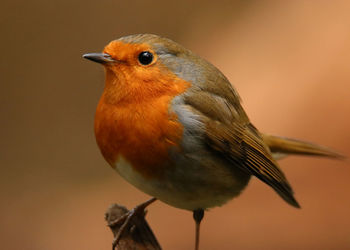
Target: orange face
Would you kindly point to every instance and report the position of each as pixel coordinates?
(133, 120)
(130, 81)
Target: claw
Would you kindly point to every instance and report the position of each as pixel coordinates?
(124, 221)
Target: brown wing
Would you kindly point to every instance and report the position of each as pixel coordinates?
(230, 134)
(243, 146)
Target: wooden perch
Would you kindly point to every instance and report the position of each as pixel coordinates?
(138, 235)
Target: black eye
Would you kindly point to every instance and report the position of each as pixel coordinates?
(145, 57)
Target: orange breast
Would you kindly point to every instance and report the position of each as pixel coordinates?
(140, 128)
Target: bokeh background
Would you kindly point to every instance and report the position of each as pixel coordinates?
(289, 61)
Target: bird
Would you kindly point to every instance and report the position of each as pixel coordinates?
(171, 124)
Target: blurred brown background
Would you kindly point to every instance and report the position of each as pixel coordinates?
(289, 61)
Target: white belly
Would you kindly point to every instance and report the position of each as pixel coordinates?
(182, 188)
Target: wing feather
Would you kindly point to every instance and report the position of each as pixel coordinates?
(245, 149)
(229, 133)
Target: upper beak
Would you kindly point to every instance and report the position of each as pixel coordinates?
(99, 57)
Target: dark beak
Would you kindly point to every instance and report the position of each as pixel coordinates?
(99, 57)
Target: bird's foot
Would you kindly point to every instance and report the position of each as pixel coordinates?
(124, 221)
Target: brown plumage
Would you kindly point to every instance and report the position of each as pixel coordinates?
(173, 126)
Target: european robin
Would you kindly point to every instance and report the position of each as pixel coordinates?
(172, 125)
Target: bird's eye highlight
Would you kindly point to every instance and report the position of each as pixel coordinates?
(145, 57)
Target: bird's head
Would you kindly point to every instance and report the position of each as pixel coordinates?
(145, 66)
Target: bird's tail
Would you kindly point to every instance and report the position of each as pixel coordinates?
(281, 147)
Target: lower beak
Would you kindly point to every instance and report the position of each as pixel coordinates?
(99, 57)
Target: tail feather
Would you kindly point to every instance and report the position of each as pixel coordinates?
(281, 147)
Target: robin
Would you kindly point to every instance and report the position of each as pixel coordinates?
(172, 125)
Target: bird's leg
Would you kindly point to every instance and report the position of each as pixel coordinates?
(198, 216)
(126, 218)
